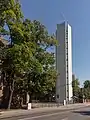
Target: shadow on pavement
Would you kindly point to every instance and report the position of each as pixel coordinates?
(82, 112)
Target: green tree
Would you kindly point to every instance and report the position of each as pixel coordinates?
(27, 62)
(10, 13)
(87, 84)
(76, 88)
(9, 17)
(36, 80)
(87, 89)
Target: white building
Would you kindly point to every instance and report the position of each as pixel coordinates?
(64, 63)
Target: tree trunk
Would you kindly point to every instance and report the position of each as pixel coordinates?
(10, 99)
(21, 102)
(11, 94)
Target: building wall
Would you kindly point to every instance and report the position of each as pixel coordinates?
(70, 61)
(64, 62)
(61, 64)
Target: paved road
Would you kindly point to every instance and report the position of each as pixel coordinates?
(79, 114)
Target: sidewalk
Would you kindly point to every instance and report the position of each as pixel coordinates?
(12, 113)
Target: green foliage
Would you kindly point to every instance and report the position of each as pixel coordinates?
(87, 89)
(87, 84)
(10, 13)
(27, 64)
(76, 88)
(22, 56)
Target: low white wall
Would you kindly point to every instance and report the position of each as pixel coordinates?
(40, 105)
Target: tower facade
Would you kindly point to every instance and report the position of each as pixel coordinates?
(64, 63)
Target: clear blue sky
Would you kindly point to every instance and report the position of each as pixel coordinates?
(77, 12)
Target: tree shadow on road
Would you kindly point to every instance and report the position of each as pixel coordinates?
(82, 112)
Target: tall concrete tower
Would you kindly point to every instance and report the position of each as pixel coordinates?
(64, 63)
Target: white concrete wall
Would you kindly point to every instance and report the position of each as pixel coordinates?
(61, 64)
(64, 85)
(70, 62)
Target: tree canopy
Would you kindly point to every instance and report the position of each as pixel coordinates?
(87, 89)
(27, 65)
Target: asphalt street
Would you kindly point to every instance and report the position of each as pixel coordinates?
(79, 114)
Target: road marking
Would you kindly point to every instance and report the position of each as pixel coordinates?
(47, 115)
